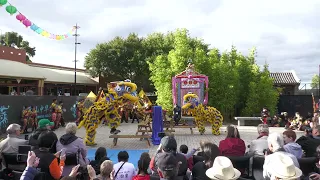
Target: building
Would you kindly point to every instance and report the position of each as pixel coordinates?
(287, 82)
(19, 77)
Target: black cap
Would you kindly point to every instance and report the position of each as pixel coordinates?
(169, 144)
(167, 162)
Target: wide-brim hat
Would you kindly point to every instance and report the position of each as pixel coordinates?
(222, 169)
(284, 168)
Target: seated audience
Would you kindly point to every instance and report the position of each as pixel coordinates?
(123, 169)
(72, 145)
(146, 155)
(12, 142)
(44, 125)
(222, 168)
(290, 146)
(258, 145)
(210, 152)
(275, 143)
(32, 162)
(49, 163)
(100, 157)
(202, 143)
(184, 150)
(106, 170)
(232, 145)
(169, 144)
(168, 166)
(281, 167)
(309, 144)
(143, 165)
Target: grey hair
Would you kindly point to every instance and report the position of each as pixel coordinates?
(12, 128)
(263, 128)
(276, 140)
(71, 128)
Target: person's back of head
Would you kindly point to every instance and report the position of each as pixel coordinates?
(275, 142)
(169, 144)
(184, 149)
(100, 153)
(210, 152)
(45, 139)
(263, 128)
(143, 165)
(145, 155)
(106, 169)
(232, 132)
(168, 166)
(123, 156)
(13, 129)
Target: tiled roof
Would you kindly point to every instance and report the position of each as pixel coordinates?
(285, 78)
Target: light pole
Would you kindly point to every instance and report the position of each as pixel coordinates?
(75, 57)
(1, 36)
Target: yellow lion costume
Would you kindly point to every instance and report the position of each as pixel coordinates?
(202, 114)
(105, 109)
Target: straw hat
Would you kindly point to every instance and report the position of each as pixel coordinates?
(284, 168)
(222, 169)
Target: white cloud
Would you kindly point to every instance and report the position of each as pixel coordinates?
(285, 32)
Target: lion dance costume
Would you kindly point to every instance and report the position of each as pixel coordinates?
(202, 114)
(105, 109)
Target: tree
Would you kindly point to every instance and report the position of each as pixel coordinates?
(13, 39)
(120, 59)
(261, 94)
(165, 66)
(315, 82)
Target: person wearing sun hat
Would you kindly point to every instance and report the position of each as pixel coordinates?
(44, 125)
(222, 169)
(283, 168)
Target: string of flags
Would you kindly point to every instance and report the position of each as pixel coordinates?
(12, 10)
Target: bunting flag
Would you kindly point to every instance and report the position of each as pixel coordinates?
(29, 24)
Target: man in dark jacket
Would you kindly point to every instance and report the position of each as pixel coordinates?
(169, 145)
(310, 144)
(44, 125)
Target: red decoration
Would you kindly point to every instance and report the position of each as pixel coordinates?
(26, 22)
(194, 82)
(186, 82)
(20, 17)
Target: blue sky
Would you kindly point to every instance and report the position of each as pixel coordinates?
(285, 33)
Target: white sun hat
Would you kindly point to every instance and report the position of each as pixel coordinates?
(222, 169)
(284, 168)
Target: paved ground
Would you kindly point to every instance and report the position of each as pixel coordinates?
(183, 136)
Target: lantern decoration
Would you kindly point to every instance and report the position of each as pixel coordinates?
(34, 27)
(11, 9)
(26, 22)
(3, 2)
(20, 17)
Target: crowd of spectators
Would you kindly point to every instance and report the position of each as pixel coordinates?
(51, 157)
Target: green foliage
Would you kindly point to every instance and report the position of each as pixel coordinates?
(10, 38)
(315, 82)
(237, 85)
(120, 59)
